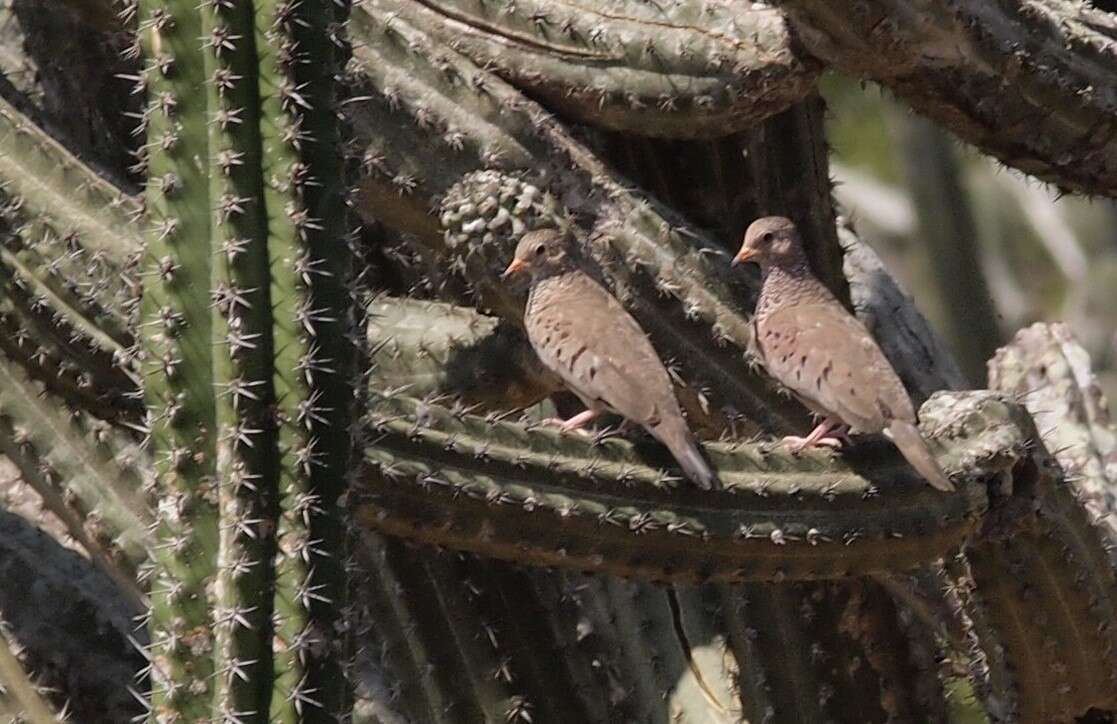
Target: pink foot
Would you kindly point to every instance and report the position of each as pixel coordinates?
(575, 423)
(820, 436)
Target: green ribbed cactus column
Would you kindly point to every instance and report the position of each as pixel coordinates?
(178, 360)
(246, 350)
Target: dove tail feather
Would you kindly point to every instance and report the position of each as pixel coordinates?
(914, 448)
(687, 453)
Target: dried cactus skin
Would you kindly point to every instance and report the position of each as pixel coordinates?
(679, 70)
(950, 61)
(779, 520)
(1054, 567)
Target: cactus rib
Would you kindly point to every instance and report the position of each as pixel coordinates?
(312, 373)
(178, 357)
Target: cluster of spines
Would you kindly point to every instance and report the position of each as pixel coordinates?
(313, 341)
(177, 357)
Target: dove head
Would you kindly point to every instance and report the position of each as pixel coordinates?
(772, 241)
(541, 253)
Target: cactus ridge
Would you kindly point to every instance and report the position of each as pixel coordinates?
(245, 467)
(177, 350)
(312, 370)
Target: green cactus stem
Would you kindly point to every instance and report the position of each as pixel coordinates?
(684, 70)
(247, 454)
(85, 475)
(178, 357)
(433, 349)
(312, 333)
(492, 487)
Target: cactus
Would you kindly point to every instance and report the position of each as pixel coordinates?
(1058, 57)
(784, 598)
(688, 69)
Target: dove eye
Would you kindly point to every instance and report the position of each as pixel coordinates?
(767, 237)
(540, 249)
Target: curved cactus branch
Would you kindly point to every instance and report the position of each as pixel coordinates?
(1029, 82)
(684, 70)
(535, 496)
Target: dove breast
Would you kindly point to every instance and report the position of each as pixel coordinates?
(830, 361)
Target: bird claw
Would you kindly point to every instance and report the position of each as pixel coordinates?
(574, 424)
(827, 434)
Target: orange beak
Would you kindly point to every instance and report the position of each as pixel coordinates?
(517, 266)
(743, 257)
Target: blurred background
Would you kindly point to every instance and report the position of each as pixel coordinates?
(983, 249)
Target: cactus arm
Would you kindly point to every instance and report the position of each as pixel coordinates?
(950, 62)
(178, 358)
(434, 349)
(805, 518)
(79, 475)
(681, 71)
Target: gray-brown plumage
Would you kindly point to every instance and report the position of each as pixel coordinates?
(814, 347)
(582, 332)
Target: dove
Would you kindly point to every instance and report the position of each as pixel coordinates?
(582, 333)
(814, 347)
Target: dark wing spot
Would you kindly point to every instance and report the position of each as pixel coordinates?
(574, 359)
(593, 372)
(853, 392)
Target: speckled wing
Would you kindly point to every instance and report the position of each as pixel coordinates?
(826, 357)
(583, 333)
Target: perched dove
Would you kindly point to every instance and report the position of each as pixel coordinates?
(813, 346)
(581, 332)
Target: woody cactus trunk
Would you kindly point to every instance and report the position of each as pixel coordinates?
(267, 380)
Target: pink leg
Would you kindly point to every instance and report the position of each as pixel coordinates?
(820, 436)
(575, 423)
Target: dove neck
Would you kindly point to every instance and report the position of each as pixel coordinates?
(788, 285)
